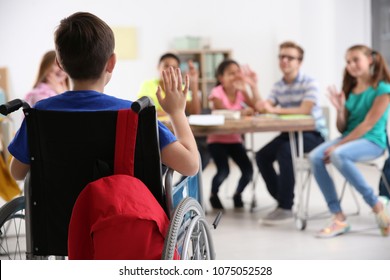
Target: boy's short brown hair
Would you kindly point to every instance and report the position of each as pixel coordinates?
(83, 44)
(291, 44)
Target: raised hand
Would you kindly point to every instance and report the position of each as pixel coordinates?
(193, 72)
(175, 96)
(336, 98)
(250, 77)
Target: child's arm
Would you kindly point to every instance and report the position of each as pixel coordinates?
(216, 103)
(19, 169)
(338, 101)
(305, 108)
(250, 78)
(194, 106)
(181, 155)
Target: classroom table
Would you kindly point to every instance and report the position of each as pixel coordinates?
(257, 124)
(293, 124)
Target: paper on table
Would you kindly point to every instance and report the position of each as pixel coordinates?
(206, 120)
(229, 114)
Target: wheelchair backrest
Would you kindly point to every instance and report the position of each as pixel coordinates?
(71, 149)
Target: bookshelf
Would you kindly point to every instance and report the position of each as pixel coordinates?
(207, 61)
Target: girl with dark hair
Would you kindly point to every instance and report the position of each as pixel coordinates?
(230, 93)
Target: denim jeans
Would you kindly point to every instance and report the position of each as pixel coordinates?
(220, 154)
(344, 158)
(281, 186)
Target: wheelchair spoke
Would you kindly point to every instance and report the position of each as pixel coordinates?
(189, 233)
(12, 234)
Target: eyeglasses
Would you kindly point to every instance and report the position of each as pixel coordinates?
(288, 57)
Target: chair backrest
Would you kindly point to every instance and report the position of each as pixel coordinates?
(68, 151)
(326, 113)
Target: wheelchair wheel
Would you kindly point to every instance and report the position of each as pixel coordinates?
(13, 230)
(189, 234)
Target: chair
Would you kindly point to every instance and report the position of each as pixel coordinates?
(303, 170)
(301, 214)
(71, 149)
(304, 177)
(374, 164)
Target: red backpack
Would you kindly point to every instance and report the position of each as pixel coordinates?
(117, 217)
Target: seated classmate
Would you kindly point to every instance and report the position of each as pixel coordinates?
(85, 51)
(51, 80)
(230, 93)
(362, 112)
(295, 93)
(193, 105)
(148, 88)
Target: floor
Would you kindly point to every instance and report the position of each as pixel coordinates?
(239, 235)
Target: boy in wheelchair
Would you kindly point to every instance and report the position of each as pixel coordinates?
(85, 51)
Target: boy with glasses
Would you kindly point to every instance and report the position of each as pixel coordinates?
(295, 93)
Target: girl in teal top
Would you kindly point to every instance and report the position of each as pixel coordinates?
(358, 107)
(362, 111)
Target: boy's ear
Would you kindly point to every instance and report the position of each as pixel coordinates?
(111, 63)
(58, 64)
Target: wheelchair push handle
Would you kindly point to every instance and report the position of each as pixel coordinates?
(13, 106)
(141, 104)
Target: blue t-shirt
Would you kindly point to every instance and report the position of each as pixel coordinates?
(358, 106)
(78, 101)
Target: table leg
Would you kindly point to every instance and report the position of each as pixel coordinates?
(293, 148)
(297, 154)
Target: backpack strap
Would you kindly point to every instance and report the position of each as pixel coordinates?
(125, 142)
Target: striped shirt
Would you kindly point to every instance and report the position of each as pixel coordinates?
(303, 88)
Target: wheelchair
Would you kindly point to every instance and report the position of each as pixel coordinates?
(71, 149)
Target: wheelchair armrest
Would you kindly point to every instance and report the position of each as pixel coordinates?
(187, 186)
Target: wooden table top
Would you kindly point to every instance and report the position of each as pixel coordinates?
(254, 124)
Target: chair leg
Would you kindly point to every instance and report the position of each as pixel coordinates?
(254, 200)
(386, 183)
(302, 206)
(352, 190)
(384, 179)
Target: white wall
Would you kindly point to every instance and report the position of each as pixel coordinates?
(251, 28)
